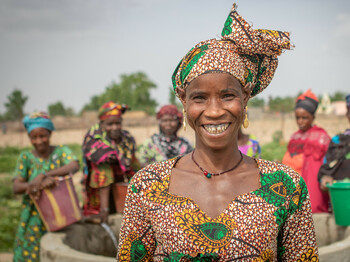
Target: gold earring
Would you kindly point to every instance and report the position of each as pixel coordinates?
(246, 121)
(184, 122)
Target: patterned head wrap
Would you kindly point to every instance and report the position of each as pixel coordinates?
(36, 120)
(247, 54)
(111, 109)
(347, 99)
(307, 101)
(170, 110)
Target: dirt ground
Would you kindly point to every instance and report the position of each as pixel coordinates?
(262, 128)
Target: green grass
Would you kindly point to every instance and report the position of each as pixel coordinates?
(10, 207)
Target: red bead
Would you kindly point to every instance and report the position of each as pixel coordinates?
(205, 173)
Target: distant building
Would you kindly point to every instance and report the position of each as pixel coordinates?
(339, 108)
(325, 106)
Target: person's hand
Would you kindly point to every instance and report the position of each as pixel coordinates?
(324, 181)
(48, 182)
(34, 186)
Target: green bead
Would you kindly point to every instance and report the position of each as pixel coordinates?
(208, 175)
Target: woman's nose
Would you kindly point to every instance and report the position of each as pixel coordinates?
(214, 108)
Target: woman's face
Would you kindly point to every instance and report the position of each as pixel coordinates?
(113, 126)
(214, 105)
(304, 119)
(169, 124)
(40, 139)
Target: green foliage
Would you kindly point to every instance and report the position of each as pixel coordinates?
(273, 151)
(8, 159)
(133, 90)
(338, 96)
(283, 105)
(15, 105)
(256, 102)
(10, 207)
(173, 98)
(58, 109)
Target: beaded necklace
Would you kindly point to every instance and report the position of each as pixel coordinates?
(209, 175)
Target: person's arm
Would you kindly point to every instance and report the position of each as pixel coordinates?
(330, 165)
(136, 228)
(20, 180)
(297, 238)
(66, 164)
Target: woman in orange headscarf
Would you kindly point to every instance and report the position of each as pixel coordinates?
(109, 157)
(307, 148)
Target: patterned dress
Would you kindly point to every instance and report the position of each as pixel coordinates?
(105, 163)
(160, 147)
(31, 227)
(252, 148)
(272, 223)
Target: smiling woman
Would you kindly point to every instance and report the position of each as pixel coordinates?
(216, 204)
(35, 171)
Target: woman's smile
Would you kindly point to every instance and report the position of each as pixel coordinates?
(216, 129)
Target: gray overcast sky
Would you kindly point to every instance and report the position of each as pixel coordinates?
(70, 50)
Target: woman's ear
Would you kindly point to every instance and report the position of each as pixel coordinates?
(182, 96)
(247, 90)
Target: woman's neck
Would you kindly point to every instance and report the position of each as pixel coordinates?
(218, 159)
(44, 154)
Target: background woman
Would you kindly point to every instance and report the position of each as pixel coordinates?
(337, 160)
(166, 144)
(248, 144)
(35, 170)
(216, 204)
(307, 148)
(109, 157)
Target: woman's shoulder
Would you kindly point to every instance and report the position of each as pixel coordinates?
(283, 171)
(127, 135)
(26, 153)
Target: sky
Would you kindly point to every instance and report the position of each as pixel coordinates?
(70, 50)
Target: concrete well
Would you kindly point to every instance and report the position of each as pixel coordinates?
(91, 243)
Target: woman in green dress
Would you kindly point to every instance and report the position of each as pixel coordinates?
(36, 169)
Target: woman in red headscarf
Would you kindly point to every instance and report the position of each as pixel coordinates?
(109, 157)
(165, 144)
(307, 148)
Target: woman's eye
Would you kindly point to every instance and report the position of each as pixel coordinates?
(198, 98)
(228, 95)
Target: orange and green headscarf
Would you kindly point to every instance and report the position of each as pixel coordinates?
(111, 109)
(247, 54)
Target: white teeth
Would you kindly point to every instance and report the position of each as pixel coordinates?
(216, 129)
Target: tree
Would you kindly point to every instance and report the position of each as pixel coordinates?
(58, 109)
(338, 96)
(133, 90)
(173, 98)
(256, 102)
(15, 105)
(282, 105)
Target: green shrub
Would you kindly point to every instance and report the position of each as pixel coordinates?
(10, 208)
(273, 151)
